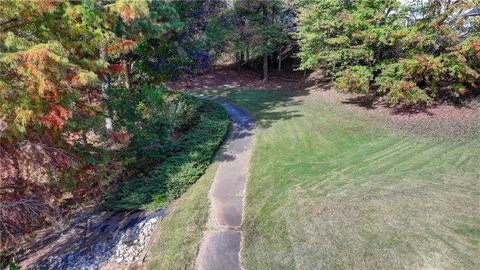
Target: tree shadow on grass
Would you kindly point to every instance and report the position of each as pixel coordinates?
(368, 102)
(267, 106)
(411, 110)
(267, 102)
(380, 103)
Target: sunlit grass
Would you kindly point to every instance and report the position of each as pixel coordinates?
(332, 189)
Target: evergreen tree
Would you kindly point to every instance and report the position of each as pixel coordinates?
(378, 46)
(259, 29)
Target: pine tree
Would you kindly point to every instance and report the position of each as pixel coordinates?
(412, 54)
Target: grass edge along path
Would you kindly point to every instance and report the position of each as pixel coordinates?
(220, 247)
(179, 239)
(181, 230)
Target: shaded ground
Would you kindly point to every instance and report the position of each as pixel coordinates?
(452, 120)
(439, 120)
(228, 77)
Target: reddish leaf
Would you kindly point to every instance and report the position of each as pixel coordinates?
(56, 116)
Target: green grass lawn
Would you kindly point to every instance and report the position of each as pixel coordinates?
(332, 189)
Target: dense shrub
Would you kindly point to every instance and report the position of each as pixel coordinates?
(185, 164)
(415, 53)
(181, 112)
(354, 79)
(153, 118)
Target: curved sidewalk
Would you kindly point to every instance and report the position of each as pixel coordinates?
(220, 247)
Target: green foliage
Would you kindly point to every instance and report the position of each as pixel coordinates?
(411, 60)
(13, 265)
(154, 119)
(181, 112)
(183, 43)
(257, 26)
(354, 79)
(138, 112)
(185, 163)
(346, 33)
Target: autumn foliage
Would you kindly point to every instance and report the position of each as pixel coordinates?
(56, 117)
(75, 119)
(53, 147)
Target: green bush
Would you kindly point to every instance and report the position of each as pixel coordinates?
(400, 82)
(181, 111)
(170, 178)
(353, 79)
(155, 119)
(435, 56)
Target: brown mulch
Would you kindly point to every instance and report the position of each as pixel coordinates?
(439, 120)
(224, 77)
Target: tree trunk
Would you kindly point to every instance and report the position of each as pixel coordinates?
(280, 60)
(105, 83)
(238, 60)
(125, 73)
(265, 68)
(265, 56)
(125, 69)
(237, 57)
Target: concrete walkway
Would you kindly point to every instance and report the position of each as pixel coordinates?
(220, 247)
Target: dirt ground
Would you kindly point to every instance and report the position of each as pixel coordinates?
(230, 76)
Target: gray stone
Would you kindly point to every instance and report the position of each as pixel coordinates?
(219, 251)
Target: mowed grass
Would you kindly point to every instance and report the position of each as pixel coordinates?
(180, 233)
(333, 189)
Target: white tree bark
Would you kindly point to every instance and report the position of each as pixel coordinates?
(105, 84)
